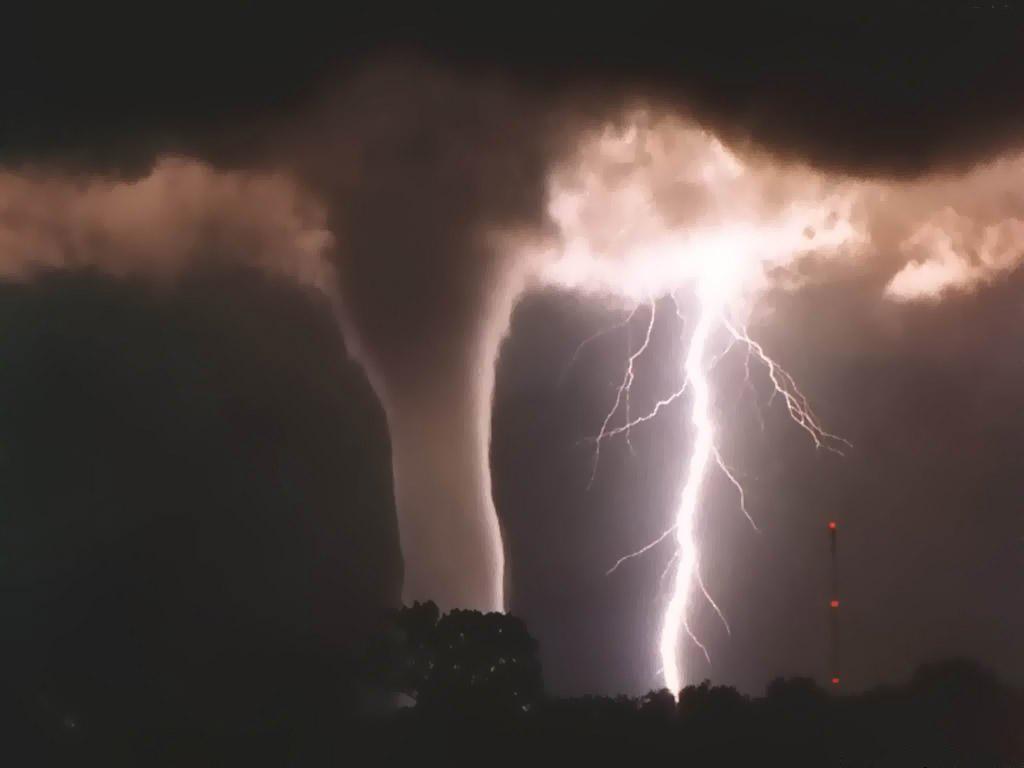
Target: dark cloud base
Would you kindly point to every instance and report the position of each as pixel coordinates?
(896, 91)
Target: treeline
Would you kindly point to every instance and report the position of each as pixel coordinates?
(472, 687)
(466, 689)
(950, 714)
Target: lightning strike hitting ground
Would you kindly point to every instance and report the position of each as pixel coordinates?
(713, 294)
(701, 453)
(653, 202)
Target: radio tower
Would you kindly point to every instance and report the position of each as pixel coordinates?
(833, 662)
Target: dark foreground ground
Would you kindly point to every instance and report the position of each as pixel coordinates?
(466, 689)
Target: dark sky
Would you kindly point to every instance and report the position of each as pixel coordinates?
(904, 90)
(180, 448)
(198, 511)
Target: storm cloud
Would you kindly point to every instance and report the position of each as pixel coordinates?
(414, 189)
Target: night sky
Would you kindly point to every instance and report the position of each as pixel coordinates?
(196, 476)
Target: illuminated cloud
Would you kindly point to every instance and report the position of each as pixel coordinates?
(645, 205)
(644, 208)
(951, 252)
(181, 214)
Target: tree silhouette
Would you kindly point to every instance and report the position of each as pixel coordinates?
(465, 661)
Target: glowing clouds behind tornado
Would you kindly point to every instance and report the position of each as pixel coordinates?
(653, 204)
(958, 231)
(182, 214)
(650, 201)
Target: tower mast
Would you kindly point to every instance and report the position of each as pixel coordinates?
(833, 663)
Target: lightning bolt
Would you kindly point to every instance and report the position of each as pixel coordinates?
(616, 240)
(785, 386)
(591, 339)
(622, 394)
(687, 569)
(713, 293)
